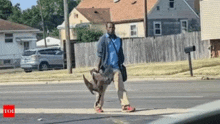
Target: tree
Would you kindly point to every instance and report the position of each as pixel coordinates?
(16, 14)
(31, 17)
(88, 35)
(53, 12)
(78, 1)
(5, 9)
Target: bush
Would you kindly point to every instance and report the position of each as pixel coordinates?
(88, 35)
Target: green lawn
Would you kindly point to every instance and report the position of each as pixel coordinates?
(203, 67)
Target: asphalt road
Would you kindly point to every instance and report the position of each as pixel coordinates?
(73, 103)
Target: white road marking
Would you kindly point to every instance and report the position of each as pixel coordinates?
(82, 91)
(52, 91)
(91, 111)
(149, 97)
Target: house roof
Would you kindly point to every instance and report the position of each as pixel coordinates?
(194, 4)
(7, 25)
(96, 15)
(122, 10)
(51, 41)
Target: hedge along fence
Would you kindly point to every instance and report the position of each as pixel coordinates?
(143, 50)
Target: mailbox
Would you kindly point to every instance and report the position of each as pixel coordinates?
(189, 49)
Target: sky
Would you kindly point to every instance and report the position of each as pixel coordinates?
(24, 4)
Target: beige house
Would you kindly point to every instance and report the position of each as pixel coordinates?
(165, 17)
(95, 14)
(210, 24)
(79, 17)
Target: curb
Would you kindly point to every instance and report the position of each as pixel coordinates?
(132, 80)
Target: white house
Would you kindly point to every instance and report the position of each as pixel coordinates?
(50, 41)
(14, 39)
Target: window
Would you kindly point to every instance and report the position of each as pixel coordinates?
(28, 53)
(158, 8)
(75, 15)
(7, 61)
(171, 3)
(49, 51)
(8, 38)
(184, 25)
(133, 29)
(42, 52)
(157, 28)
(26, 45)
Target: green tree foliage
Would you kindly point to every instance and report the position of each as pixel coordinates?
(5, 9)
(78, 1)
(88, 35)
(31, 17)
(16, 14)
(52, 11)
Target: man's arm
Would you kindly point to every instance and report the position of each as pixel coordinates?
(121, 53)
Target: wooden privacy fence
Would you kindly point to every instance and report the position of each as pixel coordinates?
(143, 50)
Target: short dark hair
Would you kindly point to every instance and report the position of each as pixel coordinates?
(109, 23)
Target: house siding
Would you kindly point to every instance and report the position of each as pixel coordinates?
(210, 25)
(100, 27)
(180, 10)
(170, 18)
(123, 30)
(73, 21)
(14, 50)
(169, 26)
(172, 26)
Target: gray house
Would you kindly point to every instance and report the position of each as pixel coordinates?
(173, 17)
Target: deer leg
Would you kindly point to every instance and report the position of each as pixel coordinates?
(98, 99)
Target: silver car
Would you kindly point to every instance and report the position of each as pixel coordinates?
(42, 59)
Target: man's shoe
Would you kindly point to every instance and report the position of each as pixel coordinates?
(98, 110)
(127, 108)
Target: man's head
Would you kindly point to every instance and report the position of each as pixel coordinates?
(110, 27)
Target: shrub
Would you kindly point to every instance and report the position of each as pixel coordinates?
(88, 35)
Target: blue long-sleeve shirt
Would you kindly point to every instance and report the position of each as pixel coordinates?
(106, 51)
(113, 49)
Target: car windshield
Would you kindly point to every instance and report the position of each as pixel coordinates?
(28, 53)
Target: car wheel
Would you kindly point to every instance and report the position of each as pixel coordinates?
(27, 71)
(44, 66)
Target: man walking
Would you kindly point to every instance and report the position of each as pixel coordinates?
(110, 54)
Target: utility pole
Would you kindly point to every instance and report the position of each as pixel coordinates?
(43, 24)
(145, 19)
(68, 47)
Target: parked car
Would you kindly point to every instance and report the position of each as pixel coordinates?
(42, 59)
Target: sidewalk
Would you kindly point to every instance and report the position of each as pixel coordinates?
(10, 70)
(112, 111)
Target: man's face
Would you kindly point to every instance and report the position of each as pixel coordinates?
(110, 28)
